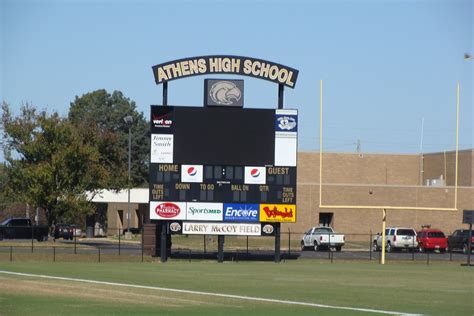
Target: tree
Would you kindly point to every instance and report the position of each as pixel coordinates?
(104, 113)
(50, 164)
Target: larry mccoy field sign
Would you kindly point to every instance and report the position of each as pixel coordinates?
(228, 165)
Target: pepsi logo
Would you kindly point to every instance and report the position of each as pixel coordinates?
(192, 171)
(255, 172)
(255, 175)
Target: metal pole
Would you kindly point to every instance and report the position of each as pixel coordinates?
(11, 253)
(469, 245)
(320, 143)
(163, 242)
(165, 93)
(421, 152)
(382, 254)
(289, 241)
(277, 243)
(457, 149)
(119, 243)
(220, 246)
(370, 246)
(329, 245)
(129, 167)
(247, 246)
(280, 95)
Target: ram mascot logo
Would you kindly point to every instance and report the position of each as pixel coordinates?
(225, 93)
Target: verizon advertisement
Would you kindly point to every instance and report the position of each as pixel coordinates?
(167, 210)
(197, 228)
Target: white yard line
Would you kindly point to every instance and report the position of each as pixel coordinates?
(237, 297)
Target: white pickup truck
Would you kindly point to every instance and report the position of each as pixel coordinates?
(322, 237)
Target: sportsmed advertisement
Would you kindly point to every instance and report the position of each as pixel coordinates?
(204, 211)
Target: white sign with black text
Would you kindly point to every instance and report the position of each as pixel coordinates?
(197, 228)
(161, 148)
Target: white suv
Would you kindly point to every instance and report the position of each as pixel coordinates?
(397, 238)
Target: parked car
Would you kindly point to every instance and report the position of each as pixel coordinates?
(322, 237)
(64, 231)
(22, 228)
(459, 240)
(431, 239)
(77, 232)
(397, 238)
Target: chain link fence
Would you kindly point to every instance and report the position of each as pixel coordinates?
(115, 248)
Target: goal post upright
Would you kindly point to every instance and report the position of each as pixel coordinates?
(320, 143)
(457, 148)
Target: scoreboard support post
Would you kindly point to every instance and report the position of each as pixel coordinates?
(277, 242)
(280, 95)
(220, 248)
(165, 94)
(163, 242)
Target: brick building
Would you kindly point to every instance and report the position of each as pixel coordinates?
(383, 179)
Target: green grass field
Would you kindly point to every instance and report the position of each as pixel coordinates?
(440, 289)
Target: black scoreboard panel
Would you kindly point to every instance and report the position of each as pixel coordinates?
(219, 136)
(223, 184)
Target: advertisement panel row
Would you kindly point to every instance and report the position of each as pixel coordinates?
(218, 212)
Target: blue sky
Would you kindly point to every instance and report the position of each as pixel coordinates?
(386, 65)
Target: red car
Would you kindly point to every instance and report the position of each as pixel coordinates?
(431, 239)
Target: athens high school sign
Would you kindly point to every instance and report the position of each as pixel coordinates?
(237, 65)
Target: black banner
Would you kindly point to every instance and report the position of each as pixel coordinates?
(226, 64)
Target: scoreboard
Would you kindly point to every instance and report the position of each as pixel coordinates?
(223, 165)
